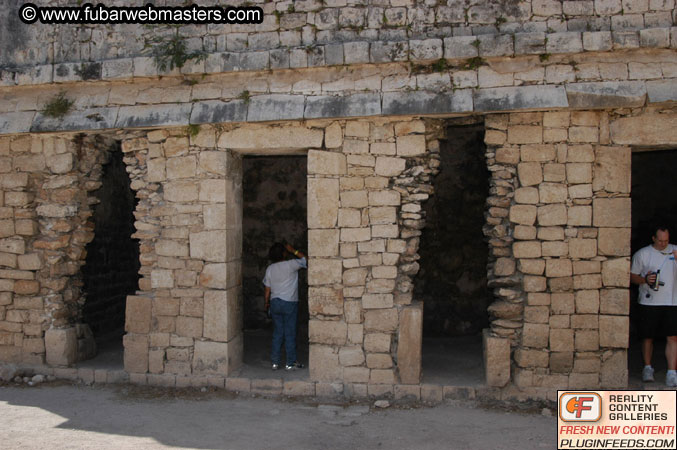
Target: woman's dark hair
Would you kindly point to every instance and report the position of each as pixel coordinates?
(276, 252)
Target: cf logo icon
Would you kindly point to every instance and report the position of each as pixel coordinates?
(580, 407)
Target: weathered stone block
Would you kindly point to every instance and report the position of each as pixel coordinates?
(327, 332)
(381, 320)
(190, 327)
(136, 353)
(535, 335)
(138, 314)
(558, 268)
(561, 340)
(323, 242)
(614, 370)
(580, 216)
(550, 215)
(523, 214)
(587, 302)
(646, 129)
(614, 301)
(616, 272)
(532, 283)
(379, 361)
(222, 314)
(614, 241)
(532, 266)
(410, 342)
(326, 163)
(411, 145)
(531, 358)
(520, 97)
(217, 358)
(612, 169)
(525, 232)
(325, 301)
(527, 249)
(608, 94)
(579, 173)
(323, 202)
(496, 352)
(587, 340)
(582, 248)
(552, 192)
(324, 363)
(389, 167)
(562, 303)
(208, 246)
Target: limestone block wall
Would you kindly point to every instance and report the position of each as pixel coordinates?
(186, 318)
(46, 184)
(558, 223)
(366, 180)
(311, 33)
(364, 217)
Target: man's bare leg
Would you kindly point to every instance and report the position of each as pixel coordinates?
(647, 350)
(671, 352)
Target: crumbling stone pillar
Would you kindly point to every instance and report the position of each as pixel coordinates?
(186, 319)
(559, 228)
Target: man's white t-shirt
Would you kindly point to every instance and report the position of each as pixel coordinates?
(648, 259)
(283, 279)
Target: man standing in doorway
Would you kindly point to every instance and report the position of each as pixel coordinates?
(282, 298)
(654, 270)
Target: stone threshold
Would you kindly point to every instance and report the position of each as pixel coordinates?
(431, 394)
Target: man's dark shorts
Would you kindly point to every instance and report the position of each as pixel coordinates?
(657, 321)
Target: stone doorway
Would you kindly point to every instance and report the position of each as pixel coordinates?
(274, 210)
(111, 269)
(654, 201)
(452, 281)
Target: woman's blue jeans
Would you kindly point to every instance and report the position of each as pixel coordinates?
(284, 329)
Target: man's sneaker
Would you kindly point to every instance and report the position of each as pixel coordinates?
(295, 365)
(275, 366)
(647, 374)
(671, 380)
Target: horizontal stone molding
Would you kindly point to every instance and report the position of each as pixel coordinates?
(324, 54)
(261, 108)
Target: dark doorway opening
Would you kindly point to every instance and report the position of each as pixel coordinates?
(452, 281)
(274, 210)
(654, 201)
(111, 270)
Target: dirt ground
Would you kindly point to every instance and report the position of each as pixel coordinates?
(65, 416)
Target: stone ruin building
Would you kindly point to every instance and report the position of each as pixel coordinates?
(144, 208)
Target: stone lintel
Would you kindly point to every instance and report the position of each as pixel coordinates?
(355, 105)
(275, 107)
(662, 91)
(607, 94)
(16, 122)
(520, 97)
(406, 103)
(171, 114)
(216, 111)
(88, 119)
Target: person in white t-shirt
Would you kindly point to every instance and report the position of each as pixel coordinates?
(281, 296)
(655, 271)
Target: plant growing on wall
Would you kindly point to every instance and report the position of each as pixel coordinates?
(171, 51)
(58, 106)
